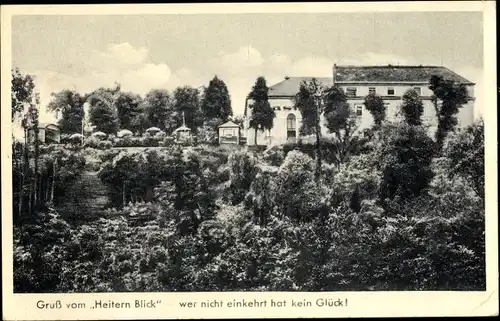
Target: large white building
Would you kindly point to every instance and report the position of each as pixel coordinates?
(388, 82)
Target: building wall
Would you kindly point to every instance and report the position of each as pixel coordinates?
(284, 107)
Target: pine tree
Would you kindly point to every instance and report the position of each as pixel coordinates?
(262, 114)
(216, 101)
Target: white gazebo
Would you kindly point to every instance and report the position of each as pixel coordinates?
(124, 133)
(153, 130)
(99, 135)
(229, 133)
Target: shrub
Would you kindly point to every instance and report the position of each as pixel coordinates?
(274, 156)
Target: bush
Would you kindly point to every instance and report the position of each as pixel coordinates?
(274, 156)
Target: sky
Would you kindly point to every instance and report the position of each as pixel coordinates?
(144, 52)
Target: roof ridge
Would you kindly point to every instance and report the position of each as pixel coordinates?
(389, 66)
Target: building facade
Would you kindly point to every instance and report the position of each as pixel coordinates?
(388, 82)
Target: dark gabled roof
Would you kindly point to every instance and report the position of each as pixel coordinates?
(291, 85)
(389, 73)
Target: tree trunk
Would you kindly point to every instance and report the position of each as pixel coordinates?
(30, 197)
(53, 181)
(318, 153)
(255, 137)
(123, 195)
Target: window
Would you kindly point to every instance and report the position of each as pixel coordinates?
(290, 122)
(388, 110)
(359, 110)
(277, 108)
(390, 91)
(418, 90)
(351, 92)
(228, 132)
(372, 90)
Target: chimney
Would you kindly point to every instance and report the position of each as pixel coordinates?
(286, 77)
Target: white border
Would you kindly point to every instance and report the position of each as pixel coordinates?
(361, 304)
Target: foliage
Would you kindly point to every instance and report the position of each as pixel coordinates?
(216, 102)
(310, 100)
(412, 108)
(297, 195)
(128, 107)
(392, 215)
(262, 117)
(103, 112)
(448, 97)
(306, 101)
(274, 156)
(69, 104)
(187, 104)
(341, 121)
(464, 155)
(22, 93)
(159, 110)
(404, 154)
(242, 172)
(375, 105)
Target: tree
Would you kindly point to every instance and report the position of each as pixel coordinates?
(69, 104)
(32, 120)
(22, 94)
(159, 110)
(448, 97)
(187, 103)
(128, 108)
(297, 194)
(103, 112)
(464, 154)
(340, 120)
(216, 101)
(404, 154)
(375, 105)
(262, 113)
(310, 101)
(22, 91)
(412, 108)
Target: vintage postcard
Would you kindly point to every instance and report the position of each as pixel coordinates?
(249, 160)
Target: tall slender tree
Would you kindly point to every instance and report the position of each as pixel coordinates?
(340, 120)
(22, 91)
(310, 101)
(216, 102)
(262, 117)
(448, 97)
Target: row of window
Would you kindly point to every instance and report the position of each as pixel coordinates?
(284, 108)
(352, 91)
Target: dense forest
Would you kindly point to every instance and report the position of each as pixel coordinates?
(396, 208)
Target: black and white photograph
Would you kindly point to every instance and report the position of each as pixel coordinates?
(247, 152)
